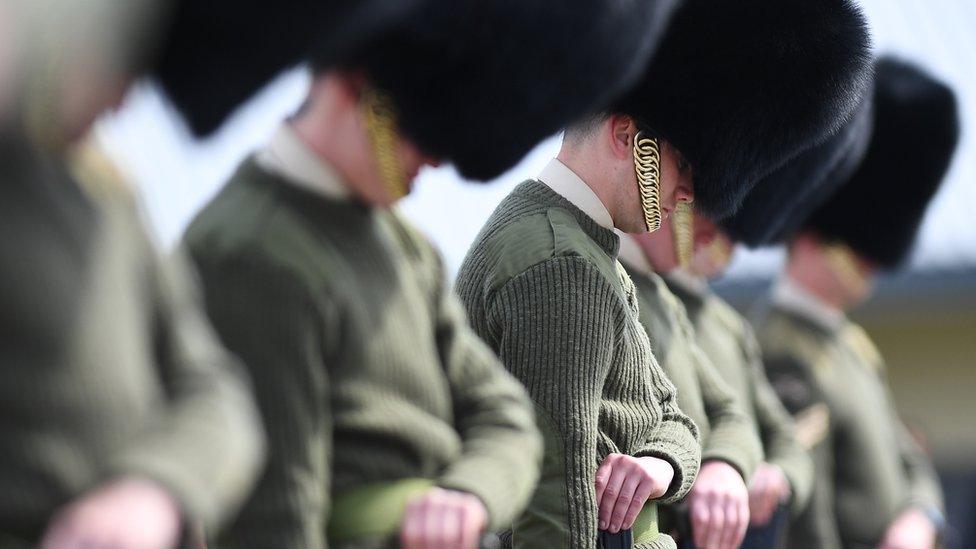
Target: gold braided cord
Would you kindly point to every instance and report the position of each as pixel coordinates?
(381, 122)
(719, 251)
(843, 263)
(683, 233)
(647, 162)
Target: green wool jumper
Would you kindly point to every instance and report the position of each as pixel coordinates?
(108, 367)
(868, 469)
(728, 340)
(365, 369)
(542, 286)
(727, 433)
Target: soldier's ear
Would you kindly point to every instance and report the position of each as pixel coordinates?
(621, 130)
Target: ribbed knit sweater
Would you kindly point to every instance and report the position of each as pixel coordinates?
(728, 339)
(364, 366)
(868, 469)
(727, 433)
(107, 365)
(542, 286)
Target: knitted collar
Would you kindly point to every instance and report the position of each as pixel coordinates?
(605, 238)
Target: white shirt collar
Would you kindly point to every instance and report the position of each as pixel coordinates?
(790, 295)
(291, 158)
(692, 283)
(632, 255)
(568, 185)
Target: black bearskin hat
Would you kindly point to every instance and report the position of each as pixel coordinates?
(215, 54)
(780, 202)
(741, 87)
(479, 83)
(916, 126)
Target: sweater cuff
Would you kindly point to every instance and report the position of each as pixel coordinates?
(497, 489)
(732, 458)
(676, 443)
(196, 505)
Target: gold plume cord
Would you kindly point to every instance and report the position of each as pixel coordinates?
(683, 233)
(381, 129)
(647, 162)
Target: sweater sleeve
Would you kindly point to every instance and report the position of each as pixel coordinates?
(206, 444)
(554, 325)
(502, 449)
(266, 315)
(733, 437)
(776, 427)
(676, 440)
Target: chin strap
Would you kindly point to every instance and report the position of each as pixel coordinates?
(381, 129)
(647, 162)
(843, 263)
(683, 233)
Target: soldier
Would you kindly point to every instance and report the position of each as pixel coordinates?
(127, 424)
(389, 419)
(541, 283)
(718, 503)
(689, 249)
(874, 488)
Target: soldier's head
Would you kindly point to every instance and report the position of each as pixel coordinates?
(710, 259)
(870, 221)
(602, 148)
(478, 84)
(72, 61)
(706, 121)
(832, 270)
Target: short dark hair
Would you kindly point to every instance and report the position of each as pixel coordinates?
(584, 127)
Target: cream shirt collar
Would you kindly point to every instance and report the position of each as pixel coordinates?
(632, 255)
(692, 283)
(564, 182)
(291, 158)
(790, 295)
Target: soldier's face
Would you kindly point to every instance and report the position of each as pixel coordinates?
(712, 255)
(676, 179)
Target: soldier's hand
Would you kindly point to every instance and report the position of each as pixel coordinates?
(911, 530)
(443, 519)
(719, 507)
(769, 488)
(624, 484)
(128, 513)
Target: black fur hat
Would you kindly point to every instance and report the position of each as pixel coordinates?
(916, 126)
(479, 83)
(781, 201)
(215, 54)
(740, 87)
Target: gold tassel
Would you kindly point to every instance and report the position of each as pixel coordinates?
(683, 233)
(380, 115)
(647, 162)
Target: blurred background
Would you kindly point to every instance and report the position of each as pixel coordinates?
(923, 319)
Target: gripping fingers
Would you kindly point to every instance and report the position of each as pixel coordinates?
(610, 495)
(729, 534)
(641, 495)
(622, 506)
(700, 519)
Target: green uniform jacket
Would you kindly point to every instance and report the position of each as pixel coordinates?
(365, 369)
(867, 467)
(728, 339)
(727, 433)
(107, 365)
(542, 286)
